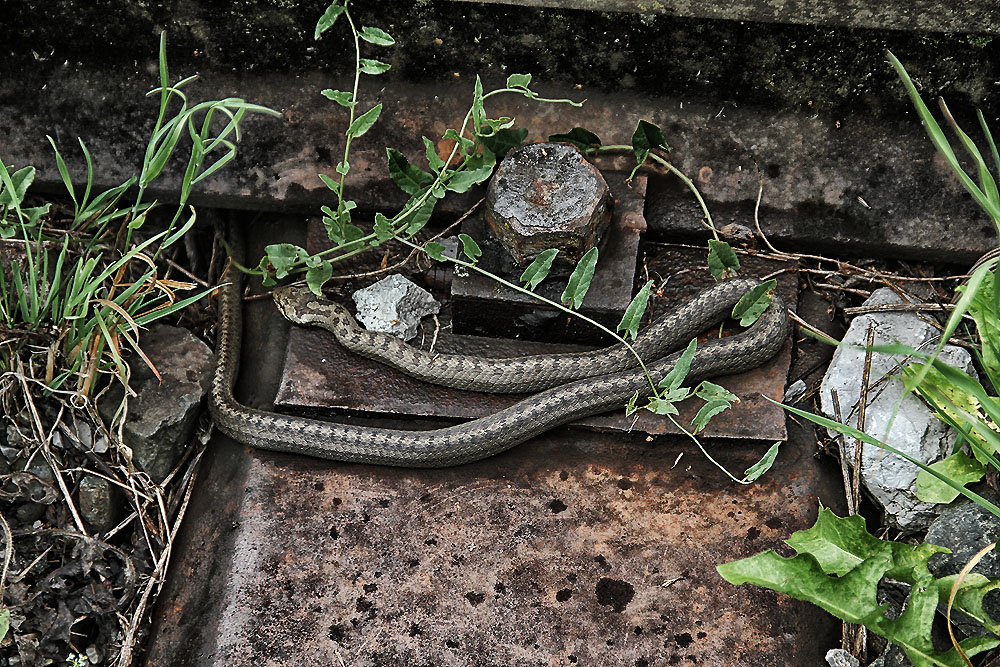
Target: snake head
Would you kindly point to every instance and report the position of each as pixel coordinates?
(300, 306)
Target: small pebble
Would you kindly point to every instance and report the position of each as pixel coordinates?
(838, 657)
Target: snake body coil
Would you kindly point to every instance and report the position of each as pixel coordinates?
(608, 380)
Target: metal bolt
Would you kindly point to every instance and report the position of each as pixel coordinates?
(547, 196)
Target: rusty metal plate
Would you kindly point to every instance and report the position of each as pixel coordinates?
(574, 549)
(320, 377)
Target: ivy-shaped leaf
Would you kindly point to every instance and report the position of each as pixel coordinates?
(369, 66)
(328, 18)
(376, 36)
(579, 280)
(518, 80)
(633, 314)
(722, 260)
(329, 182)
(318, 271)
(342, 98)
(501, 141)
(383, 228)
(364, 122)
(410, 179)
(283, 256)
(645, 138)
(708, 391)
(416, 220)
(470, 247)
(678, 373)
(582, 138)
(477, 170)
(430, 151)
(754, 472)
(435, 250)
(753, 304)
(539, 268)
(707, 411)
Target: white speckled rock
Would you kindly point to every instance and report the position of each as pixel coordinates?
(394, 305)
(915, 431)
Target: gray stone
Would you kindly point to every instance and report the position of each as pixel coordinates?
(838, 657)
(889, 478)
(99, 503)
(965, 528)
(162, 416)
(892, 656)
(394, 305)
(547, 196)
(795, 391)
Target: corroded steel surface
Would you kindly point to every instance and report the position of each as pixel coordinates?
(320, 376)
(572, 549)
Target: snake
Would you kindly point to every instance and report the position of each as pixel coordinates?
(569, 386)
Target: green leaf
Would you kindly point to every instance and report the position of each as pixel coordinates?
(283, 256)
(4, 622)
(708, 391)
(376, 36)
(430, 151)
(470, 247)
(409, 178)
(852, 598)
(435, 250)
(465, 145)
(959, 466)
(369, 66)
(477, 170)
(383, 228)
(317, 275)
(753, 304)
(539, 268)
(35, 213)
(21, 180)
(329, 182)
(645, 138)
(328, 18)
(579, 280)
(678, 373)
(722, 260)
(633, 314)
(478, 112)
(341, 97)
(839, 544)
(631, 408)
(420, 215)
(343, 167)
(501, 141)
(940, 142)
(582, 138)
(518, 80)
(661, 406)
(754, 472)
(707, 411)
(364, 122)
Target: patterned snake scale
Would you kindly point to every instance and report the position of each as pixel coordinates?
(575, 385)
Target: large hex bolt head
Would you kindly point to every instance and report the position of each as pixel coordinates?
(547, 196)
